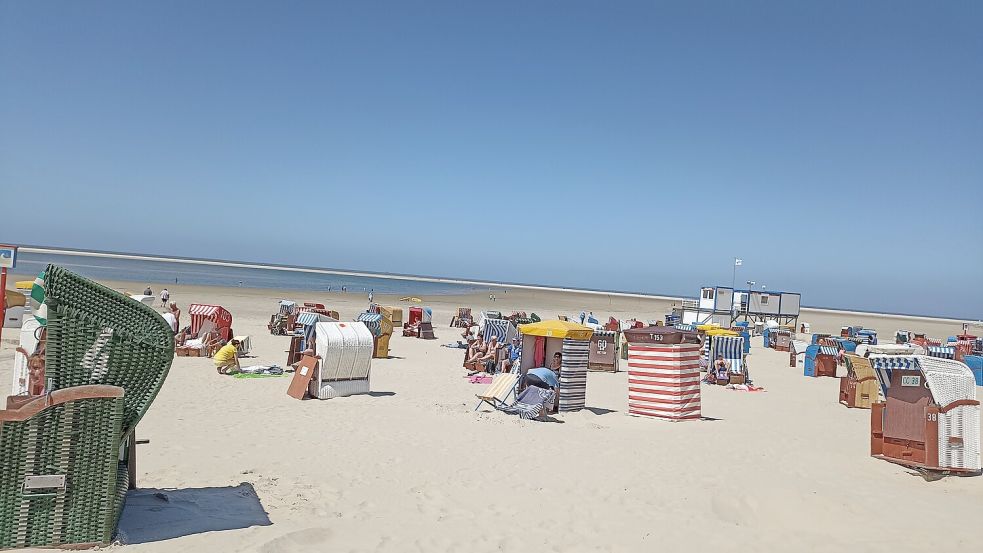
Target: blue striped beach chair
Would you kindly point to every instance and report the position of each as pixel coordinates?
(731, 348)
(942, 352)
(373, 321)
(503, 329)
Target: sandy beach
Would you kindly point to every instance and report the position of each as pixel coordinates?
(237, 465)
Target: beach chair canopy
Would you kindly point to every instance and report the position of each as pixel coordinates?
(889, 349)
(309, 318)
(15, 298)
(503, 329)
(731, 348)
(943, 352)
(345, 350)
(947, 380)
(557, 329)
(859, 367)
(201, 312)
(799, 346)
(374, 322)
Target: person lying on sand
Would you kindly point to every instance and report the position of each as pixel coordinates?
(227, 358)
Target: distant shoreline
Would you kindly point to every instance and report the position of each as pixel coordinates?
(421, 278)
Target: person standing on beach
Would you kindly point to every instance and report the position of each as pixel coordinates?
(171, 320)
(164, 296)
(371, 293)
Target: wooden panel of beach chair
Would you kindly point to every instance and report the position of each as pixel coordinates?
(498, 392)
(426, 331)
(302, 377)
(859, 388)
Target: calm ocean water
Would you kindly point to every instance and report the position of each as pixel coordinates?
(163, 273)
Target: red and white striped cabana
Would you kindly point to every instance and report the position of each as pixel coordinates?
(664, 381)
(201, 312)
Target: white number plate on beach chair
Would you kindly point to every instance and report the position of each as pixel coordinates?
(911, 381)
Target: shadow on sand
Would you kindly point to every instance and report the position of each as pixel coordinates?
(155, 515)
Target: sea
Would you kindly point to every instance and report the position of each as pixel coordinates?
(176, 272)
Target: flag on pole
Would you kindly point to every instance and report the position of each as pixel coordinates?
(738, 262)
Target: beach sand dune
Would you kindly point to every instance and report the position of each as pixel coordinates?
(237, 465)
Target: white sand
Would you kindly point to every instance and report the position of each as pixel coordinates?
(414, 468)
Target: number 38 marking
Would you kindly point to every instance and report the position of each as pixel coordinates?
(932, 417)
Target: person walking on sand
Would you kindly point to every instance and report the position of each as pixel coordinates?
(164, 296)
(371, 294)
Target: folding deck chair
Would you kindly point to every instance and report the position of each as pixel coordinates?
(497, 395)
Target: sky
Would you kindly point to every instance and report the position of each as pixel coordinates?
(835, 147)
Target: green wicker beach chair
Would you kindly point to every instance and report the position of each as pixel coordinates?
(59, 455)
(95, 336)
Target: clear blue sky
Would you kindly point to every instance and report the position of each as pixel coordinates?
(837, 147)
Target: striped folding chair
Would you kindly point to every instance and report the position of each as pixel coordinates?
(497, 395)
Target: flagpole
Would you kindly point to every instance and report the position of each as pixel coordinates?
(733, 281)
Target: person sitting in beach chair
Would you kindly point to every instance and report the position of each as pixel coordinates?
(557, 362)
(227, 358)
(485, 362)
(476, 349)
(513, 352)
(182, 336)
(719, 371)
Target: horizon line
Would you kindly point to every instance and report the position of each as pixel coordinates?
(418, 278)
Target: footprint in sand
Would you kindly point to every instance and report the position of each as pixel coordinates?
(735, 510)
(307, 539)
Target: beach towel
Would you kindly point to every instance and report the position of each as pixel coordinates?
(480, 379)
(744, 388)
(270, 370)
(531, 403)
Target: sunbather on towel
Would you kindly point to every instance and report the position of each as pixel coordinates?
(227, 358)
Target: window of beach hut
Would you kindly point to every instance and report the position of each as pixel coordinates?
(540, 341)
